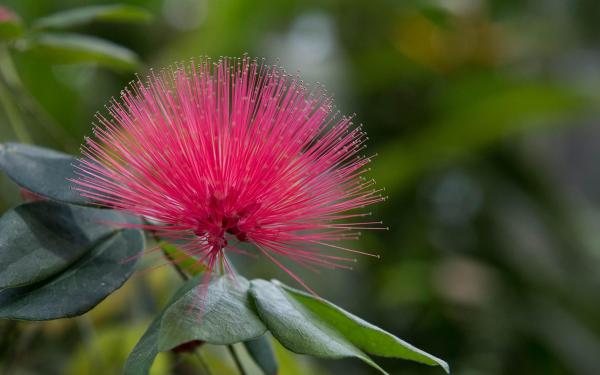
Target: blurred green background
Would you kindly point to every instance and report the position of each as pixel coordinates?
(484, 115)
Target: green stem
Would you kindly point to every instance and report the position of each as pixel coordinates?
(203, 363)
(231, 349)
(184, 277)
(236, 359)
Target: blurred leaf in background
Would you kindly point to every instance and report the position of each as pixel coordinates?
(483, 115)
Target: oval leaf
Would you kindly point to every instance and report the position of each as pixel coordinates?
(362, 334)
(84, 15)
(42, 171)
(81, 286)
(141, 358)
(79, 49)
(42, 238)
(219, 313)
(261, 351)
(297, 329)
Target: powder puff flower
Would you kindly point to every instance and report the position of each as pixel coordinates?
(214, 154)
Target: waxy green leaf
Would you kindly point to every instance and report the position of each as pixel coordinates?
(96, 13)
(261, 351)
(362, 334)
(222, 314)
(145, 351)
(298, 330)
(39, 239)
(81, 286)
(42, 171)
(308, 325)
(67, 48)
(217, 314)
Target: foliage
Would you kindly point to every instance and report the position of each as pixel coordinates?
(482, 114)
(79, 261)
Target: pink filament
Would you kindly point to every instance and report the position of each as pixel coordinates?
(234, 150)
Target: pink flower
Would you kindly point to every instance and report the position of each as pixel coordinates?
(214, 154)
(7, 15)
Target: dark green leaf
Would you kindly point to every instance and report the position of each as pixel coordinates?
(41, 171)
(297, 329)
(362, 334)
(218, 314)
(309, 325)
(82, 285)
(105, 13)
(39, 239)
(261, 351)
(141, 358)
(78, 49)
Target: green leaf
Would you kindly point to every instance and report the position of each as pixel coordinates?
(362, 334)
(310, 325)
(185, 262)
(472, 116)
(82, 285)
(80, 49)
(261, 351)
(145, 351)
(41, 171)
(218, 314)
(89, 14)
(39, 239)
(10, 24)
(297, 329)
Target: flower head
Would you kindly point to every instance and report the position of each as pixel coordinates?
(7, 15)
(218, 153)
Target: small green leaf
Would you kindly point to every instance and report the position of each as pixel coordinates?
(362, 334)
(42, 171)
(39, 239)
(297, 329)
(219, 313)
(96, 13)
(81, 286)
(261, 351)
(185, 262)
(10, 24)
(80, 49)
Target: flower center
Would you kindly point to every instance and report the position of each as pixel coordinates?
(224, 218)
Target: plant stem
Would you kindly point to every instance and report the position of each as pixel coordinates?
(8, 339)
(185, 277)
(236, 359)
(202, 362)
(181, 273)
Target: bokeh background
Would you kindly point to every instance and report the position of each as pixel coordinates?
(484, 115)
